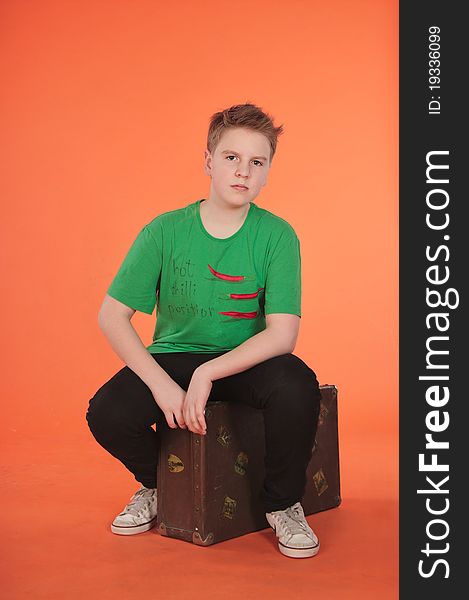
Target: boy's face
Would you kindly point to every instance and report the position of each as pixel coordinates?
(240, 158)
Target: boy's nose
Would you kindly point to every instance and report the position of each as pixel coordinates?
(242, 170)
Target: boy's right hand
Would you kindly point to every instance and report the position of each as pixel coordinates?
(171, 401)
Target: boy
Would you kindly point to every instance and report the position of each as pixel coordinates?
(225, 276)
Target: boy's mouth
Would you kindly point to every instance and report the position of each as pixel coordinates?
(239, 187)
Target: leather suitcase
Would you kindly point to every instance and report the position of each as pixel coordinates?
(208, 485)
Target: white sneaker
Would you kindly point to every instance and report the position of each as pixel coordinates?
(296, 538)
(139, 515)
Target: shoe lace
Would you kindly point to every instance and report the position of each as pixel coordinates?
(138, 501)
(291, 521)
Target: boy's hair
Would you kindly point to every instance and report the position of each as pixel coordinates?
(245, 115)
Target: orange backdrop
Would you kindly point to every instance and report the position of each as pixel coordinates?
(104, 114)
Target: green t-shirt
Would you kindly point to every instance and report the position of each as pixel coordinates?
(211, 294)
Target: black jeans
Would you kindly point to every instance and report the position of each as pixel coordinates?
(122, 411)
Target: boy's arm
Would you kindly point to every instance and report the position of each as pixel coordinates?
(278, 338)
(114, 321)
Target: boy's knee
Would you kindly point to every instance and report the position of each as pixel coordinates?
(293, 371)
(300, 383)
(92, 412)
(100, 409)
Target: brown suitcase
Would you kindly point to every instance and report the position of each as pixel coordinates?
(209, 485)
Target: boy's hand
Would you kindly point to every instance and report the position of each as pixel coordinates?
(171, 401)
(197, 395)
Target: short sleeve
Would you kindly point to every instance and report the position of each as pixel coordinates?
(136, 281)
(283, 279)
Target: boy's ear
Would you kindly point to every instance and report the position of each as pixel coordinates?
(208, 162)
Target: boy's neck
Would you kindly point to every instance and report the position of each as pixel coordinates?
(221, 214)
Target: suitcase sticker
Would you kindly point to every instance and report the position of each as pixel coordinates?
(229, 507)
(224, 437)
(175, 464)
(320, 482)
(240, 464)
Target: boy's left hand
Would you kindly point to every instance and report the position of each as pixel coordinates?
(196, 398)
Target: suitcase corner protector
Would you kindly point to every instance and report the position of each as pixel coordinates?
(197, 539)
(161, 528)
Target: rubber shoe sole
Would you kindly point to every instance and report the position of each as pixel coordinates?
(303, 552)
(133, 529)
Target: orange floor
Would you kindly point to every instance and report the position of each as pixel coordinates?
(57, 542)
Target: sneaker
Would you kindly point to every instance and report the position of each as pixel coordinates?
(139, 515)
(296, 538)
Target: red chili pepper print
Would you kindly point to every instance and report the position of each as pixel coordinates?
(240, 315)
(245, 296)
(226, 277)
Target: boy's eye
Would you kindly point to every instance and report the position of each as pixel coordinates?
(255, 160)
